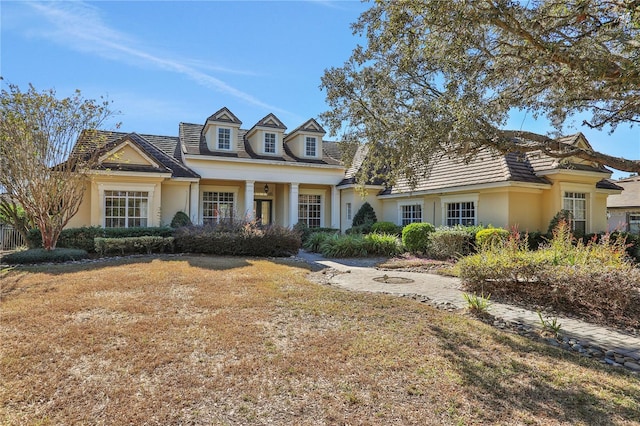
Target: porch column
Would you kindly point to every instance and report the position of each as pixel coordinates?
(293, 204)
(335, 208)
(248, 199)
(194, 202)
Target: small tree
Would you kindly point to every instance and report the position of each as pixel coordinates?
(39, 171)
(365, 215)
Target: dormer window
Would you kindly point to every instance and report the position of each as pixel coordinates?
(224, 138)
(311, 147)
(269, 143)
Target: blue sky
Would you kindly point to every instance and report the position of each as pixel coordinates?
(162, 63)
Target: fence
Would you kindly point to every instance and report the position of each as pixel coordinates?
(10, 239)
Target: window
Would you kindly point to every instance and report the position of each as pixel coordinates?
(270, 143)
(576, 203)
(217, 206)
(633, 223)
(410, 213)
(349, 212)
(224, 139)
(310, 149)
(462, 213)
(310, 210)
(125, 209)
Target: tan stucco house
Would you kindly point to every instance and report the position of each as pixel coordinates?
(623, 209)
(221, 169)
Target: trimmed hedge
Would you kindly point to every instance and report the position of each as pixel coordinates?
(180, 219)
(82, 238)
(126, 245)
(40, 255)
(451, 242)
(238, 240)
(386, 228)
(491, 236)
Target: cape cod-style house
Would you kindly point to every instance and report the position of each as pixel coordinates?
(221, 169)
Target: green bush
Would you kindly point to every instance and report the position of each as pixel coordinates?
(415, 237)
(127, 245)
(490, 236)
(82, 238)
(238, 239)
(365, 228)
(386, 228)
(344, 246)
(364, 215)
(41, 256)
(450, 242)
(305, 232)
(561, 216)
(315, 241)
(382, 244)
(180, 219)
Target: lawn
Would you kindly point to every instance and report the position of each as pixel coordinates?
(210, 340)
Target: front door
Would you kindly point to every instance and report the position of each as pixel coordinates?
(263, 211)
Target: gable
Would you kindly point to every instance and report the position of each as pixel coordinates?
(223, 115)
(271, 121)
(128, 153)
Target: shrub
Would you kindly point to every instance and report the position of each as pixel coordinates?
(40, 255)
(450, 242)
(365, 214)
(382, 244)
(490, 236)
(386, 228)
(365, 228)
(238, 239)
(147, 244)
(180, 219)
(305, 232)
(315, 241)
(344, 246)
(561, 216)
(415, 236)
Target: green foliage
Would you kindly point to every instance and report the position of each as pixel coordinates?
(305, 232)
(432, 71)
(568, 275)
(39, 255)
(358, 245)
(315, 240)
(83, 237)
(127, 245)
(451, 242)
(490, 236)
(415, 237)
(477, 304)
(238, 239)
(364, 215)
(551, 326)
(561, 216)
(180, 219)
(386, 228)
(365, 228)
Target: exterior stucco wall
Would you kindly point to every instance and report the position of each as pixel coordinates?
(526, 210)
(175, 198)
(357, 199)
(83, 217)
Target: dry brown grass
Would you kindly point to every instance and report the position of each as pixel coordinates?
(204, 340)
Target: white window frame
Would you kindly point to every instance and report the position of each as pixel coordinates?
(314, 141)
(409, 203)
(322, 195)
(569, 201)
(219, 189)
(129, 198)
(219, 138)
(265, 142)
(467, 198)
(129, 187)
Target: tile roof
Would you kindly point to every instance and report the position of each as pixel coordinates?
(629, 197)
(163, 149)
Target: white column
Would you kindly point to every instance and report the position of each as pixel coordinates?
(293, 204)
(194, 203)
(248, 199)
(335, 208)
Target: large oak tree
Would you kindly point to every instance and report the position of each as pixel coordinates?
(37, 170)
(442, 76)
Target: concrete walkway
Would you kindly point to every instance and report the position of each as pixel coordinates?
(352, 275)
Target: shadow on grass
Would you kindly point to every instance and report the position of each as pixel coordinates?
(491, 380)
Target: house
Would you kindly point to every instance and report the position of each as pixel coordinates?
(220, 169)
(623, 209)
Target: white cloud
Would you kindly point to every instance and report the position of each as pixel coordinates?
(79, 26)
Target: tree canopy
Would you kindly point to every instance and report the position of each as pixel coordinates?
(442, 76)
(37, 135)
